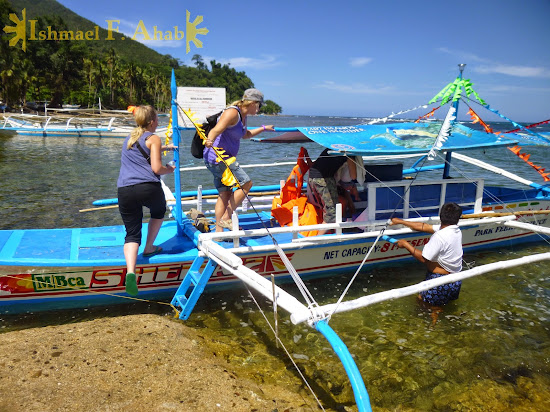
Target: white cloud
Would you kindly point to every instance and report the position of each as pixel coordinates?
(355, 88)
(359, 61)
(125, 27)
(487, 66)
(517, 89)
(463, 56)
(264, 62)
(516, 71)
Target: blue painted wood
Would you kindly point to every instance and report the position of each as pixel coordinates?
(359, 390)
(389, 239)
(196, 280)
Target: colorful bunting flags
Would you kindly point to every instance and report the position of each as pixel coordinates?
(455, 89)
(529, 126)
(477, 119)
(525, 157)
(427, 115)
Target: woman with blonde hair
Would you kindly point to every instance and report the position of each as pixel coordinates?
(225, 138)
(139, 185)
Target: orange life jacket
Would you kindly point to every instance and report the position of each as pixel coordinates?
(291, 195)
(293, 186)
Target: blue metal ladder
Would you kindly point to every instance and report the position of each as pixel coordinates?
(195, 279)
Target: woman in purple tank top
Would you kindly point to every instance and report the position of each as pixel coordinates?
(138, 186)
(225, 138)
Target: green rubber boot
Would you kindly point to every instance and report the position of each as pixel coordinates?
(131, 284)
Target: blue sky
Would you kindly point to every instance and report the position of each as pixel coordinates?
(361, 58)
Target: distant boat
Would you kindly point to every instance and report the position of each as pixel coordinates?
(32, 125)
(37, 105)
(71, 106)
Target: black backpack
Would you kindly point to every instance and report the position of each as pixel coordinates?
(197, 145)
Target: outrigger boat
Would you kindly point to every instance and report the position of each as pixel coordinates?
(68, 268)
(69, 126)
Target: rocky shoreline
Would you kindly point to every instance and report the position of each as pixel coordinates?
(127, 363)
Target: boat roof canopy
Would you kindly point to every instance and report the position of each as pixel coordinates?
(401, 138)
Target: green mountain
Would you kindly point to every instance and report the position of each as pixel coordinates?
(83, 71)
(128, 49)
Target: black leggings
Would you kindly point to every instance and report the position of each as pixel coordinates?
(131, 200)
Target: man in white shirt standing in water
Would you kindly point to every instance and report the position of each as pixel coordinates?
(442, 255)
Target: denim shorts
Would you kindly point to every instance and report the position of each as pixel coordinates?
(218, 169)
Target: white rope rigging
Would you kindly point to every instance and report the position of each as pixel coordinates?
(285, 349)
(442, 136)
(344, 293)
(385, 119)
(310, 300)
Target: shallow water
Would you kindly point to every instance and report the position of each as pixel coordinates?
(488, 350)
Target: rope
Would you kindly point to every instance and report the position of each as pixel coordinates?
(285, 349)
(38, 282)
(308, 297)
(494, 198)
(433, 152)
(384, 119)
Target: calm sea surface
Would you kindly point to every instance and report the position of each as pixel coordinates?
(489, 350)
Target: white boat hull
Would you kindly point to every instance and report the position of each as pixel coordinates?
(46, 287)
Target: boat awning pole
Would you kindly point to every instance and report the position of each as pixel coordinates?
(500, 171)
(448, 156)
(176, 142)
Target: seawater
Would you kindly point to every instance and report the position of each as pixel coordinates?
(488, 351)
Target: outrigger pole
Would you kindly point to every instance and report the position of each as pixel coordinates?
(233, 264)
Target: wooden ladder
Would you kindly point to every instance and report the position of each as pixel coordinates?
(196, 280)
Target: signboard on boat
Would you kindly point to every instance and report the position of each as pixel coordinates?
(203, 102)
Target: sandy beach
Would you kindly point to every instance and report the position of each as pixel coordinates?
(128, 363)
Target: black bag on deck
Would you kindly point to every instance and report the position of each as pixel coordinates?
(197, 146)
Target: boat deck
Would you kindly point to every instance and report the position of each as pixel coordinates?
(85, 246)
(102, 246)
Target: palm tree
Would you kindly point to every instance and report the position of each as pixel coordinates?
(89, 63)
(112, 62)
(131, 73)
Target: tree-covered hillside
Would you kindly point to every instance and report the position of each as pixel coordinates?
(120, 72)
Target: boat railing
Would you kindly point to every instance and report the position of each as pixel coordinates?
(416, 196)
(6, 119)
(382, 199)
(364, 230)
(68, 123)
